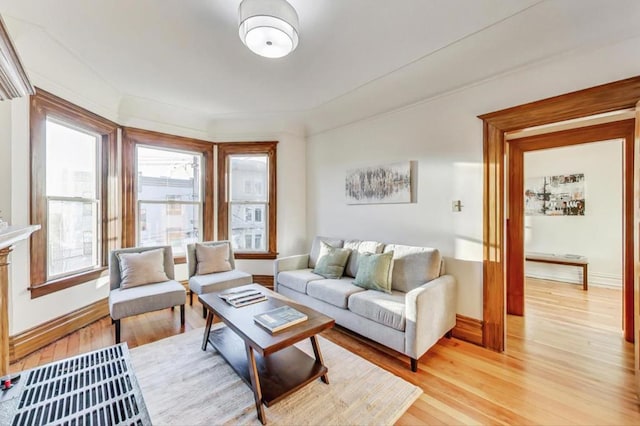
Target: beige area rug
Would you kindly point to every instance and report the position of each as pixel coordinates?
(183, 385)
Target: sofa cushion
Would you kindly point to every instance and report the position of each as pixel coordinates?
(331, 261)
(374, 272)
(315, 248)
(297, 280)
(200, 284)
(383, 308)
(211, 259)
(413, 266)
(334, 292)
(358, 247)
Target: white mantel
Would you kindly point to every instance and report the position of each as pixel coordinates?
(13, 234)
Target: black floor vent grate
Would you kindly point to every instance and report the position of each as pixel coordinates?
(97, 388)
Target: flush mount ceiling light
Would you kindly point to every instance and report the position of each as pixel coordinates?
(268, 28)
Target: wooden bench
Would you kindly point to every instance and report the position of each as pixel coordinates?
(562, 259)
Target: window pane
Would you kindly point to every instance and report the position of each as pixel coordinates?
(158, 225)
(248, 234)
(71, 159)
(72, 236)
(168, 175)
(249, 178)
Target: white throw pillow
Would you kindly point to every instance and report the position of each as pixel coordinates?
(142, 268)
(211, 259)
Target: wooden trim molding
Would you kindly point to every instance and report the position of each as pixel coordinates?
(468, 329)
(26, 342)
(264, 280)
(614, 96)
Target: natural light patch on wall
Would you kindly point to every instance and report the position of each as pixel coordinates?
(467, 188)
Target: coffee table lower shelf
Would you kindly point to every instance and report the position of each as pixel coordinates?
(280, 373)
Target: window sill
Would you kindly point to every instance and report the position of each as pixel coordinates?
(254, 256)
(66, 282)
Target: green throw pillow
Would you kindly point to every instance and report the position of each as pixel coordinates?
(374, 271)
(331, 261)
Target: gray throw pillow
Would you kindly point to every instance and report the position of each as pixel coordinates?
(331, 261)
(374, 271)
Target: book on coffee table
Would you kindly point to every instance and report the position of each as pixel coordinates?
(279, 318)
(241, 298)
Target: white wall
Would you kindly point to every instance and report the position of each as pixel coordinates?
(445, 138)
(597, 234)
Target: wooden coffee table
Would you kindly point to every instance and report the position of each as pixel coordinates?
(269, 364)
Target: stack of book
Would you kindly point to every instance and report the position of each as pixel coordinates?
(279, 318)
(238, 298)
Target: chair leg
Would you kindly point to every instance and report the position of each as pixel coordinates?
(116, 323)
(182, 314)
(414, 365)
(190, 298)
(204, 312)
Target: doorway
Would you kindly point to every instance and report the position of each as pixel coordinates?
(617, 130)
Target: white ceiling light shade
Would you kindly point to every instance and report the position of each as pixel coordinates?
(268, 28)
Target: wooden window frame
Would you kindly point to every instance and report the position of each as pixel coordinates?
(269, 149)
(131, 137)
(43, 105)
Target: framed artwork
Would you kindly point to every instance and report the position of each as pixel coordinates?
(388, 183)
(561, 195)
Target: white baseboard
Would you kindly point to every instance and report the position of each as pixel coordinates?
(572, 275)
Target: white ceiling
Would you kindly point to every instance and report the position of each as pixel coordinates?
(355, 58)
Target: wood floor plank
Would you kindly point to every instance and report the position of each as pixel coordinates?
(566, 362)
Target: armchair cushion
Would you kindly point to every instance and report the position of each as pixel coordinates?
(219, 281)
(212, 259)
(143, 268)
(138, 300)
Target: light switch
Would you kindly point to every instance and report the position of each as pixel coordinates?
(456, 206)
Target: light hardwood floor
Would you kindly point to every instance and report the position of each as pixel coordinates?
(566, 362)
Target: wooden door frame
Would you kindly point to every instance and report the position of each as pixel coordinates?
(621, 130)
(619, 95)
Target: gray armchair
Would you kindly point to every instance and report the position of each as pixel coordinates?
(128, 298)
(216, 281)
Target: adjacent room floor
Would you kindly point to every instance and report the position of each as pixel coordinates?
(566, 362)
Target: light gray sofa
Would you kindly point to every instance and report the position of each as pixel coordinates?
(420, 310)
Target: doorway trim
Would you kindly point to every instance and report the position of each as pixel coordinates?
(609, 97)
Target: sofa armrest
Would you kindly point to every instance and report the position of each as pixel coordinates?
(290, 263)
(430, 313)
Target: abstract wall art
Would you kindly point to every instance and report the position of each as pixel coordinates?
(561, 195)
(388, 183)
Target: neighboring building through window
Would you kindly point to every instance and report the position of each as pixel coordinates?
(72, 187)
(247, 196)
(169, 197)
